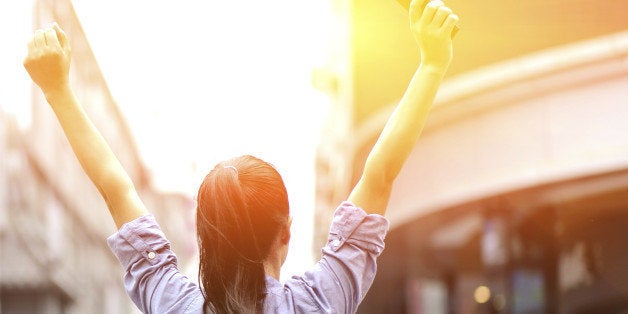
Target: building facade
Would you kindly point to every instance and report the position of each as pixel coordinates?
(53, 222)
(515, 198)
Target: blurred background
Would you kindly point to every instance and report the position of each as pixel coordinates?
(514, 201)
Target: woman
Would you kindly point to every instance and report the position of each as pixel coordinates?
(243, 217)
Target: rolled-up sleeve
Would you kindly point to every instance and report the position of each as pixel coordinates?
(340, 280)
(152, 278)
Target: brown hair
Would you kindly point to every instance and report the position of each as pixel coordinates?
(242, 204)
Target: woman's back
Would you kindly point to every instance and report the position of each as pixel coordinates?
(336, 284)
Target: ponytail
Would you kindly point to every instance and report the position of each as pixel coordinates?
(241, 204)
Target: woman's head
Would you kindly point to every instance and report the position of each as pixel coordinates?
(241, 215)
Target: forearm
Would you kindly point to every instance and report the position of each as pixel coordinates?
(396, 141)
(404, 126)
(96, 157)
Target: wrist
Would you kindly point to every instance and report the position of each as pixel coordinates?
(56, 93)
(433, 68)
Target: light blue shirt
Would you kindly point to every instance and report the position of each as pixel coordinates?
(336, 284)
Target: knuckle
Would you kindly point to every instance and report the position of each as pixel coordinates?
(435, 3)
(445, 9)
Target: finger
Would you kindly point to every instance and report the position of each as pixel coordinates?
(430, 11)
(39, 38)
(63, 39)
(31, 45)
(450, 23)
(416, 9)
(32, 48)
(51, 38)
(441, 14)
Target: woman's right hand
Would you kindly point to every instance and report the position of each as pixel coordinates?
(432, 29)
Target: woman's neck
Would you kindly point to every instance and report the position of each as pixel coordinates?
(272, 270)
(276, 258)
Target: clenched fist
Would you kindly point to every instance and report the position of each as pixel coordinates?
(432, 28)
(48, 59)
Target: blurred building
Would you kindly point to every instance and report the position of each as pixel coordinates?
(515, 199)
(53, 223)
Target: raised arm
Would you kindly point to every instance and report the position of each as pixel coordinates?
(48, 64)
(432, 29)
